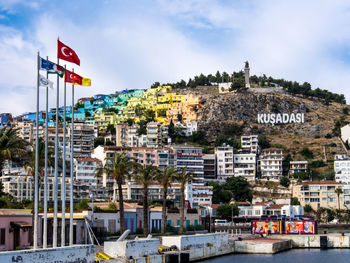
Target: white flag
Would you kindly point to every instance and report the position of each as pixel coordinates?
(44, 82)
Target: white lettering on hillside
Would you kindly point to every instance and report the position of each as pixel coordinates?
(280, 118)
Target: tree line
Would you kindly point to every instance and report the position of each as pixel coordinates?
(237, 79)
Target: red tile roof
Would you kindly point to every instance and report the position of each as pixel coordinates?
(275, 206)
(87, 159)
(320, 183)
(215, 206)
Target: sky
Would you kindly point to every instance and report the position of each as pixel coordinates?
(132, 44)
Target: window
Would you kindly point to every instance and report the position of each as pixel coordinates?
(2, 236)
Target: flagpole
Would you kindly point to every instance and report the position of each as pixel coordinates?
(71, 174)
(46, 165)
(63, 184)
(54, 243)
(36, 181)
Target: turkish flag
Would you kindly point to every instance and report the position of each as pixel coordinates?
(66, 53)
(72, 77)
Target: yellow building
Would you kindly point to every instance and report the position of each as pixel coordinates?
(164, 102)
(102, 120)
(319, 194)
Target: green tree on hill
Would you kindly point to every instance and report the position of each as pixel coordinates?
(227, 211)
(306, 153)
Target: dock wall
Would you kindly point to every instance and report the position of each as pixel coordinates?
(71, 254)
(317, 241)
(200, 240)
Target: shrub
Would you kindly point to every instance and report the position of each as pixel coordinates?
(284, 181)
(295, 201)
(307, 153)
(317, 164)
(308, 208)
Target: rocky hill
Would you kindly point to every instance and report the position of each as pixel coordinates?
(219, 111)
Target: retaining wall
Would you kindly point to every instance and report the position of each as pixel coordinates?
(72, 254)
(132, 248)
(314, 241)
(200, 240)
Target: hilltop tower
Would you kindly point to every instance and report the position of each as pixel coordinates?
(246, 74)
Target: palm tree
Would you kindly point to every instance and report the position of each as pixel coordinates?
(338, 191)
(119, 168)
(165, 178)
(145, 175)
(183, 178)
(11, 146)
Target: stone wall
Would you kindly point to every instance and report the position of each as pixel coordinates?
(201, 240)
(131, 248)
(72, 254)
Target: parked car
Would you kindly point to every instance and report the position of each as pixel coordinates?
(221, 222)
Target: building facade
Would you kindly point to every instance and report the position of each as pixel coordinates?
(298, 167)
(319, 194)
(342, 175)
(224, 160)
(245, 165)
(250, 143)
(271, 163)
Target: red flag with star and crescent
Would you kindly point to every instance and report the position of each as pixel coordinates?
(73, 78)
(66, 53)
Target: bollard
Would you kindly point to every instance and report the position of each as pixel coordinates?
(124, 235)
(240, 231)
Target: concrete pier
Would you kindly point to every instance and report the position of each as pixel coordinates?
(316, 241)
(261, 246)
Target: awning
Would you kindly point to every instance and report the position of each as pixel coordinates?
(21, 224)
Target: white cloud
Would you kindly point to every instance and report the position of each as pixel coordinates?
(10, 6)
(292, 40)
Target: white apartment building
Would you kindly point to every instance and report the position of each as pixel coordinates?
(21, 186)
(157, 135)
(245, 165)
(224, 159)
(187, 128)
(271, 163)
(260, 209)
(250, 143)
(342, 175)
(202, 196)
(85, 170)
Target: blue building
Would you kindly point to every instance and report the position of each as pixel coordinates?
(5, 119)
(31, 117)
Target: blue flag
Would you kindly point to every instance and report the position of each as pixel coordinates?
(51, 67)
